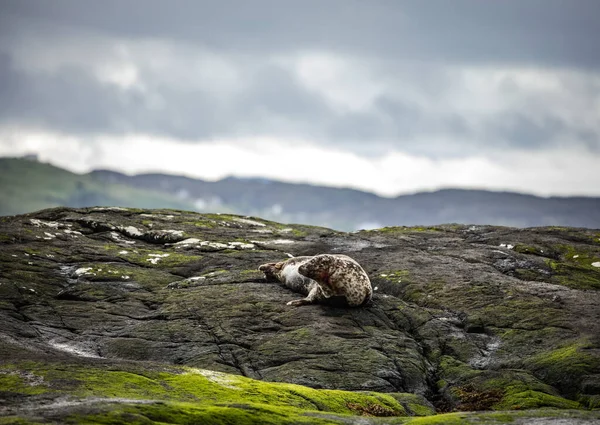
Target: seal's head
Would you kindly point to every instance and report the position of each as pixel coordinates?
(272, 271)
(318, 268)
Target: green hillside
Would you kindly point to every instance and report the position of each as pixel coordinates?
(27, 186)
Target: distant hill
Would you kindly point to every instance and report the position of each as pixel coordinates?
(348, 209)
(27, 185)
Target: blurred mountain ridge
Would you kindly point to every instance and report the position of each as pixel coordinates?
(27, 185)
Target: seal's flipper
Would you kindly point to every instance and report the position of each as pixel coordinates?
(297, 303)
(311, 298)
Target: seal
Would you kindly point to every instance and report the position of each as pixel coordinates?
(322, 277)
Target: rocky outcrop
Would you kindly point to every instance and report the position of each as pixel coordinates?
(117, 310)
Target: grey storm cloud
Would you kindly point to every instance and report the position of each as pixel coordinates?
(539, 31)
(414, 52)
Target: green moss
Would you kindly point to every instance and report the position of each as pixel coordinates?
(420, 409)
(514, 312)
(160, 259)
(498, 390)
(532, 275)
(445, 419)
(211, 221)
(404, 229)
(185, 413)
(583, 256)
(414, 404)
(394, 275)
(206, 224)
(192, 385)
(125, 274)
(501, 418)
(574, 267)
(454, 370)
(473, 397)
(571, 265)
(215, 277)
(15, 420)
(534, 399)
(163, 413)
(565, 366)
(21, 382)
(394, 282)
(187, 395)
(530, 249)
(574, 276)
(590, 401)
(554, 265)
(528, 342)
(299, 233)
(569, 354)
(508, 389)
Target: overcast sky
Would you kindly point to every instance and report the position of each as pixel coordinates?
(389, 96)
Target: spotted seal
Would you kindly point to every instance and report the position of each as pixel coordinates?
(322, 277)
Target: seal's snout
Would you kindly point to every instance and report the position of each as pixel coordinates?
(268, 268)
(270, 271)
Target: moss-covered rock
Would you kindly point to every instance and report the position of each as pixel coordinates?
(177, 395)
(129, 315)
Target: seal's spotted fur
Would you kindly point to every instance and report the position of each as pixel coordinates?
(322, 277)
